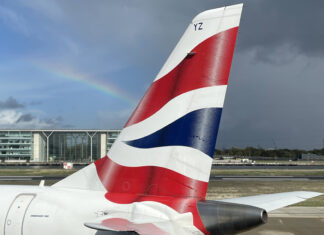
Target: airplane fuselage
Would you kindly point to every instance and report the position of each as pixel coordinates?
(37, 210)
(32, 210)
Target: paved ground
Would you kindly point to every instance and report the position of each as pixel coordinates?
(293, 221)
(266, 178)
(212, 178)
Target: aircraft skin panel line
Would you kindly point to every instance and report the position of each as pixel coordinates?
(154, 179)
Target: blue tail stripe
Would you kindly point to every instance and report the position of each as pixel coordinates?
(197, 129)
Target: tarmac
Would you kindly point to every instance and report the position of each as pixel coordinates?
(30, 178)
(292, 221)
(266, 178)
(212, 178)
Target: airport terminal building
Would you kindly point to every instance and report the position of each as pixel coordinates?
(55, 145)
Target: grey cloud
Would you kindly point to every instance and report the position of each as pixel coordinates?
(266, 102)
(269, 25)
(11, 117)
(126, 27)
(25, 118)
(53, 121)
(10, 103)
(28, 120)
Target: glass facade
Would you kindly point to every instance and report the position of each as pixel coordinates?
(74, 146)
(64, 145)
(111, 137)
(16, 145)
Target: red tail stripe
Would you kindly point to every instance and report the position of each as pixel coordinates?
(147, 180)
(209, 66)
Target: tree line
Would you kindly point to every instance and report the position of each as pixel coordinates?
(269, 153)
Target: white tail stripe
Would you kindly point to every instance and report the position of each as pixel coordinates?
(184, 160)
(208, 97)
(213, 22)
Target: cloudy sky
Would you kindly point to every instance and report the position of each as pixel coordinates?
(86, 64)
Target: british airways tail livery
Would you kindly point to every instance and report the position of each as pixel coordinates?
(154, 179)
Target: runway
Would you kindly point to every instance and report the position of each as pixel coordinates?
(212, 178)
(30, 178)
(265, 178)
(268, 167)
(292, 221)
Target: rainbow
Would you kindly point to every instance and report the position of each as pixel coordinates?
(72, 74)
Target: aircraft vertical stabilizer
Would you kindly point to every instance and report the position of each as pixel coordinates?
(164, 153)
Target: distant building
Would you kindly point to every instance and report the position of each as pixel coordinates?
(63, 145)
(311, 157)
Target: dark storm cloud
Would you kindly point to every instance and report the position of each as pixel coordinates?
(294, 24)
(268, 103)
(121, 29)
(10, 103)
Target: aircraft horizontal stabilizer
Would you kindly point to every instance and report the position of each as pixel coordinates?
(156, 226)
(126, 228)
(101, 227)
(270, 202)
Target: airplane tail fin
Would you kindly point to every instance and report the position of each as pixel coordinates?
(167, 145)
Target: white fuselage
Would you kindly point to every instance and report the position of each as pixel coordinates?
(32, 210)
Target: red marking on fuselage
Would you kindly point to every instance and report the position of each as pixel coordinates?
(208, 65)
